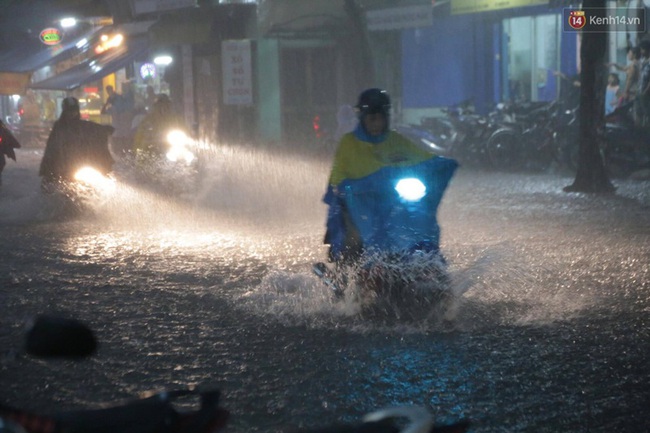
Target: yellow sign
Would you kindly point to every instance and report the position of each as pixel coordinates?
(472, 6)
(13, 83)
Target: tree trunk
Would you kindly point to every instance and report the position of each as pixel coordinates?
(591, 176)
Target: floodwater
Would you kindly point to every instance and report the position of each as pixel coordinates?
(549, 332)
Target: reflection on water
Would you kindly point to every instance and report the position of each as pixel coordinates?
(548, 333)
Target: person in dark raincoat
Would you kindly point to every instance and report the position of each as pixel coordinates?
(7, 145)
(74, 143)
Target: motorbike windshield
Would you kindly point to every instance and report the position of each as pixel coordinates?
(395, 208)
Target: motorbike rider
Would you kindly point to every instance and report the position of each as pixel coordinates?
(8, 143)
(74, 143)
(150, 137)
(368, 148)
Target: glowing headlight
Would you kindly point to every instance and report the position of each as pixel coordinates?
(178, 150)
(411, 189)
(94, 178)
(177, 137)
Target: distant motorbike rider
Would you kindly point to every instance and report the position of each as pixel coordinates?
(8, 143)
(151, 136)
(74, 143)
(370, 147)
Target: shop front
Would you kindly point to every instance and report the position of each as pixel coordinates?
(487, 53)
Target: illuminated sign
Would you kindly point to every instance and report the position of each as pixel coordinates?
(148, 70)
(50, 36)
(107, 42)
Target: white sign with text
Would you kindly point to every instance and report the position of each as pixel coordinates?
(237, 74)
(149, 6)
(400, 18)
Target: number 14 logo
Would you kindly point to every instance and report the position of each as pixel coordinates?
(577, 19)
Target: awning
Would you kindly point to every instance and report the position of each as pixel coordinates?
(29, 55)
(301, 18)
(97, 67)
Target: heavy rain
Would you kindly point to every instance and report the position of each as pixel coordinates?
(546, 326)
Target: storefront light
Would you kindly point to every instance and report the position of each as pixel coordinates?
(68, 22)
(163, 60)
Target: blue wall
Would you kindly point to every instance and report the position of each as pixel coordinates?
(435, 63)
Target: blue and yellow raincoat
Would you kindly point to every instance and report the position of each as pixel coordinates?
(362, 162)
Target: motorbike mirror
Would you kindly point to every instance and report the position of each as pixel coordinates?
(57, 337)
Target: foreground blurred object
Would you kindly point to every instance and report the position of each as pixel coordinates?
(160, 412)
(419, 420)
(154, 414)
(57, 337)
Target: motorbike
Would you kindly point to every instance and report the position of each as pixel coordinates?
(623, 145)
(171, 164)
(57, 337)
(625, 149)
(393, 212)
(471, 132)
(88, 186)
(565, 136)
(524, 138)
(78, 194)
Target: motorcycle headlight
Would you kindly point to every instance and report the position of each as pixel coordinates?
(177, 138)
(94, 178)
(178, 150)
(411, 189)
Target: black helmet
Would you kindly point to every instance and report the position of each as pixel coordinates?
(70, 104)
(373, 101)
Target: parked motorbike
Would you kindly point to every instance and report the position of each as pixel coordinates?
(393, 211)
(524, 139)
(625, 148)
(565, 125)
(470, 133)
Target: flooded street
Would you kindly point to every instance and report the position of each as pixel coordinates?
(550, 330)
